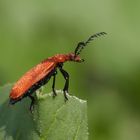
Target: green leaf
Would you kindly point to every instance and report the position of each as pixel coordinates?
(52, 119)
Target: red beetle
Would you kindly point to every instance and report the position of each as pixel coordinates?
(41, 74)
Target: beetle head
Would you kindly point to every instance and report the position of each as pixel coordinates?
(75, 58)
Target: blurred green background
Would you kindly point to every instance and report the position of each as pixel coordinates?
(109, 79)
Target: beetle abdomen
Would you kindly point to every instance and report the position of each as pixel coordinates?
(34, 87)
(31, 78)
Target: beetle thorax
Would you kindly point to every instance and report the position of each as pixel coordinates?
(60, 58)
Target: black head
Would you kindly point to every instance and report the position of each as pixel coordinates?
(82, 45)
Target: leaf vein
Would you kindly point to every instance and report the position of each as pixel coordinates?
(55, 114)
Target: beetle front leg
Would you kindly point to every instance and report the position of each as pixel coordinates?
(66, 76)
(32, 103)
(53, 85)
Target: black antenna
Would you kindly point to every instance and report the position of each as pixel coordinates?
(81, 45)
(94, 36)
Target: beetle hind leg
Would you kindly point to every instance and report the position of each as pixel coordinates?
(32, 103)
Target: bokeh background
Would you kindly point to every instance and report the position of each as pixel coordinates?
(109, 79)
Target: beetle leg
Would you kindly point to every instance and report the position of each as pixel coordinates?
(32, 103)
(53, 85)
(66, 76)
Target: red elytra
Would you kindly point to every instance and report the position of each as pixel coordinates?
(41, 74)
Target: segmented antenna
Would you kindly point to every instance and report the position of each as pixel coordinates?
(94, 36)
(81, 45)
